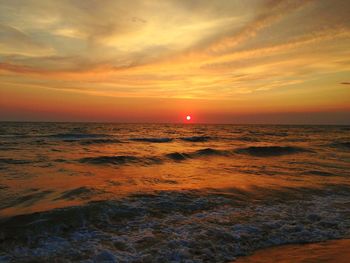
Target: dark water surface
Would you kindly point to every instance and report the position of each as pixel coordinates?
(168, 193)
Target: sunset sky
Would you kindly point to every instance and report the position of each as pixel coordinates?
(221, 61)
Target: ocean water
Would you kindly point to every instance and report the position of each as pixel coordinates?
(168, 192)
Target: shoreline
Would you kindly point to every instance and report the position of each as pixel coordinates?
(173, 226)
(326, 251)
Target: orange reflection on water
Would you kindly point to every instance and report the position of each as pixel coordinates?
(66, 184)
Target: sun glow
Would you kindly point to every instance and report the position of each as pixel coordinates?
(188, 117)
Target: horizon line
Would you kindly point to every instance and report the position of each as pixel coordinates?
(176, 123)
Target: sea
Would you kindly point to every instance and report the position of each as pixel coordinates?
(106, 192)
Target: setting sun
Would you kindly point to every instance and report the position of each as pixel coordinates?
(188, 117)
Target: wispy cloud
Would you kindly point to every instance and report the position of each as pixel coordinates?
(14, 41)
(270, 13)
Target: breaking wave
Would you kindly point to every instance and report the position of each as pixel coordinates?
(172, 226)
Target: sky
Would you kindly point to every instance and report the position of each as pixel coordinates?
(254, 61)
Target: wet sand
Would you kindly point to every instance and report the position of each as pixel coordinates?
(330, 251)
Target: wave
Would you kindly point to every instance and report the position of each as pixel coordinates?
(154, 140)
(341, 145)
(120, 160)
(263, 134)
(175, 156)
(13, 161)
(165, 139)
(266, 151)
(319, 173)
(79, 193)
(11, 136)
(173, 226)
(25, 200)
(60, 160)
(8, 148)
(3, 187)
(196, 138)
(247, 139)
(77, 136)
(99, 141)
(210, 151)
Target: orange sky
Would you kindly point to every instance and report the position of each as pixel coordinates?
(255, 61)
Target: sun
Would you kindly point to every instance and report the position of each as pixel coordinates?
(188, 117)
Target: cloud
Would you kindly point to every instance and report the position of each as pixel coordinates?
(345, 83)
(14, 41)
(271, 12)
(275, 50)
(194, 49)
